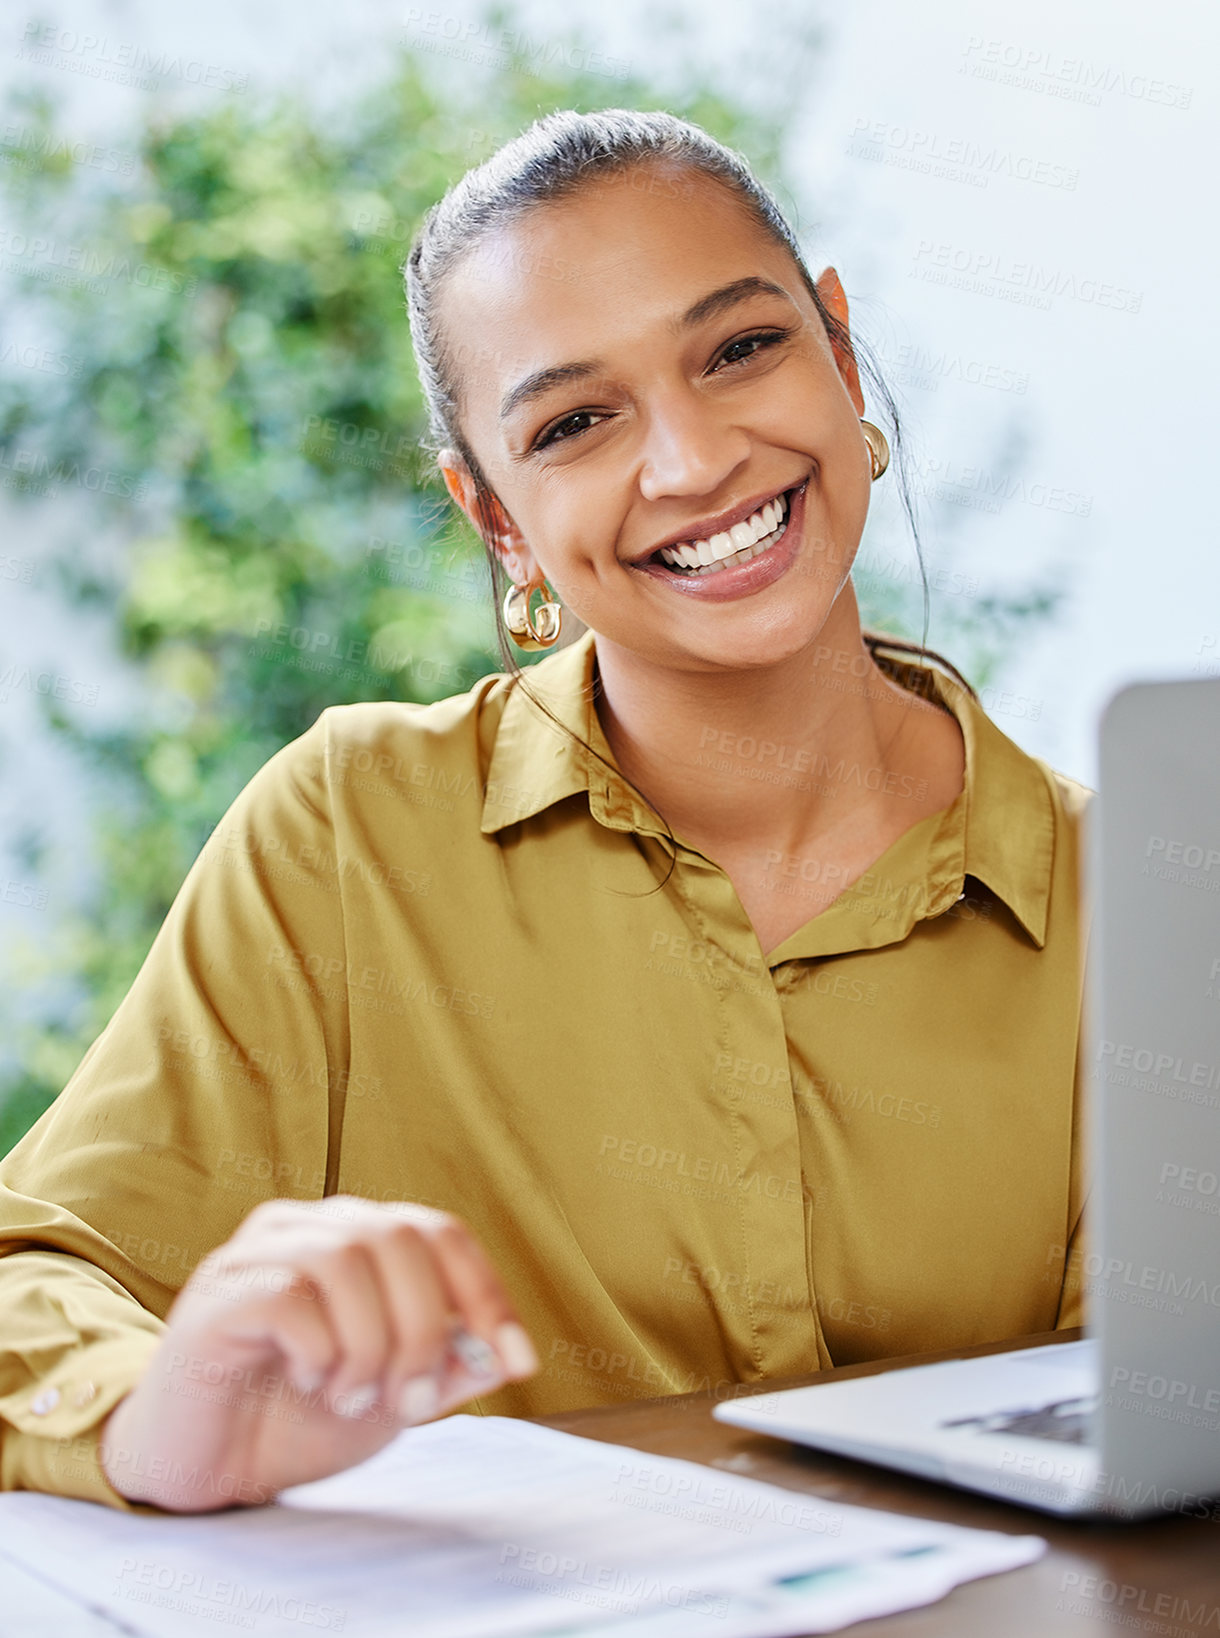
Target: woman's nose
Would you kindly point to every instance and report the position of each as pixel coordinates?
(689, 449)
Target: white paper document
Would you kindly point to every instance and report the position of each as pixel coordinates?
(491, 1527)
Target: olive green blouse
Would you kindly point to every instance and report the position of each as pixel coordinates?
(438, 953)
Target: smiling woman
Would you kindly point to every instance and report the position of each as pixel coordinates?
(671, 438)
(702, 1004)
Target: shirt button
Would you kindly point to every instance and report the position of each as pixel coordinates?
(45, 1401)
(84, 1394)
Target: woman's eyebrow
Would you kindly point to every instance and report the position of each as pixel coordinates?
(709, 306)
(728, 296)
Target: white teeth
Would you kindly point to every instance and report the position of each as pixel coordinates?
(709, 555)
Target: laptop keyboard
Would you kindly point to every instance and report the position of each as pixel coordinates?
(1070, 1421)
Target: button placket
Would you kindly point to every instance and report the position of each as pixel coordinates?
(769, 1193)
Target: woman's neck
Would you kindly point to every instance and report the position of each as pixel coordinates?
(820, 748)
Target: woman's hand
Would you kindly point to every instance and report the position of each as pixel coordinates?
(304, 1344)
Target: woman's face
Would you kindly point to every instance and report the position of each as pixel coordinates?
(640, 367)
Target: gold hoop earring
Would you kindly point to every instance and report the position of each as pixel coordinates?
(532, 631)
(878, 448)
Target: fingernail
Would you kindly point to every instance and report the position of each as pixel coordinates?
(357, 1402)
(516, 1349)
(477, 1356)
(419, 1399)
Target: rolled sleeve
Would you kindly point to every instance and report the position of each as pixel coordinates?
(56, 1419)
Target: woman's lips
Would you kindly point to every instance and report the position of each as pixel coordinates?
(727, 584)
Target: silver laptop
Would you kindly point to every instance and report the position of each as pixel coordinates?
(1126, 1422)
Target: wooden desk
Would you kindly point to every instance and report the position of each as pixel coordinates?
(1158, 1576)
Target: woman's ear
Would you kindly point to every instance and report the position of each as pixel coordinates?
(505, 539)
(458, 481)
(833, 298)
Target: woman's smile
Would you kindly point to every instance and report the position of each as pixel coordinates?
(737, 561)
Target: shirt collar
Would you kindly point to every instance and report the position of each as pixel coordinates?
(535, 764)
(1000, 829)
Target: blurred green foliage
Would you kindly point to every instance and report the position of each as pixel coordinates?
(244, 374)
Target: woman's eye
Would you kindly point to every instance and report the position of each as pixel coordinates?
(567, 427)
(737, 351)
(746, 346)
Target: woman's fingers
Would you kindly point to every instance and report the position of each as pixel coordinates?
(419, 1306)
(437, 1286)
(397, 1303)
(361, 1323)
(293, 1322)
(480, 1302)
